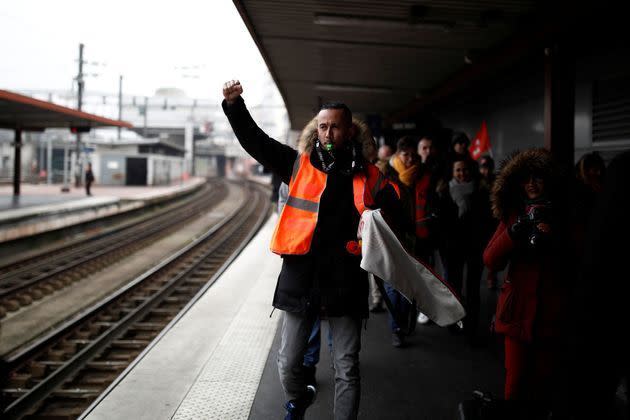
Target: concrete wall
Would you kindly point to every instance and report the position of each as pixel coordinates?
(205, 166)
(30, 165)
(164, 170)
(112, 168)
(513, 106)
(596, 66)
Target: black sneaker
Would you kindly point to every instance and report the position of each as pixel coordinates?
(456, 328)
(296, 408)
(398, 339)
(309, 375)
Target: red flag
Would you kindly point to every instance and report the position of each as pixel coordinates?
(481, 143)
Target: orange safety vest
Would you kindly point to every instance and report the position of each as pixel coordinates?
(295, 229)
(421, 190)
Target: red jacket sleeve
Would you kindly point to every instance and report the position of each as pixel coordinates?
(499, 249)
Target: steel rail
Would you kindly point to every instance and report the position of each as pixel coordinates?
(171, 204)
(98, 344)
(124, 238)
(84, 246)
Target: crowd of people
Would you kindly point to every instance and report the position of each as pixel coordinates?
(530, 220)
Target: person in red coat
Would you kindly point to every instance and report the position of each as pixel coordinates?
(533, 239)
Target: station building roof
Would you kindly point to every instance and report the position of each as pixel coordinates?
(23, 112)
(382, 57)
(139, 142)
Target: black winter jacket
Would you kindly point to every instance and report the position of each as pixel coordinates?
(327, 280)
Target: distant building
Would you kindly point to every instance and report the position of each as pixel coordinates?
(173, 136)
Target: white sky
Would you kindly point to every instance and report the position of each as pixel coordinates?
(144, 40)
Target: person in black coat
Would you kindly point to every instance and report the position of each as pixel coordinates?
(327, 281)
(464, 218)
(89, 179)
(600, 351)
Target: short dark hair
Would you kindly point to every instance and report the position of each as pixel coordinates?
(347, 114)
(487, 161)
(588, 161)
(460, 137)
(406, 142)
(462, 158)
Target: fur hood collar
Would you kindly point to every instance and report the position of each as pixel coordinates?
(362, 135)
(507, 196)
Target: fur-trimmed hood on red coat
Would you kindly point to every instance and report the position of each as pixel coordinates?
(507, 191)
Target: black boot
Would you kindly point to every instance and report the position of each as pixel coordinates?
(296, 408)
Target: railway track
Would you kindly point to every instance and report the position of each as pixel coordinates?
(61, 374)
(29, 280)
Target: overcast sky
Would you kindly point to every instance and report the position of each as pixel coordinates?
(143, 40)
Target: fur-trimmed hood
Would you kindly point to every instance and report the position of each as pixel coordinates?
(363, 135)
(507, 194)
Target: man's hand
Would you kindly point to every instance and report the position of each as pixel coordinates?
(231, 91)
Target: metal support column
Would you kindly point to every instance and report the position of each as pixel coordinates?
(49, 169)
(80, 82)
(146, 110)
(65, 187)
(560, 101)
(17, 164)
(120, 104)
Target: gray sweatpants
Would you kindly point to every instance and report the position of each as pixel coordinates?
(346, 339)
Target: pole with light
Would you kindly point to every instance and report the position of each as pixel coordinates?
(80, 84)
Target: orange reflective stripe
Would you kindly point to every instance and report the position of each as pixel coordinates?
(378, 184)
(359, 189)
(296, 166)
(294, 232)
(296, 226)
(395, 187)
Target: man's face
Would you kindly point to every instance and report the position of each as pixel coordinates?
(460, 148)
(384, 152)
(332, 128)
(406, 157)
(425, 148)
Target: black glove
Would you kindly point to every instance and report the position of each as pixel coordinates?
(538, 239)
(520, 229)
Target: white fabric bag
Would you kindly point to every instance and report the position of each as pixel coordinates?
(384, 256)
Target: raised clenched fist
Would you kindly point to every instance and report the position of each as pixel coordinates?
(232, 90)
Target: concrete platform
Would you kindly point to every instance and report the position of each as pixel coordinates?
(425, 380)
(219, 361)
(208, 365)
(42, 208)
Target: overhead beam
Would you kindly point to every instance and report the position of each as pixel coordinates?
(519, 46)
(257, 40)
(332, 43)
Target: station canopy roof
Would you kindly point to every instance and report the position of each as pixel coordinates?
(26, 113)
(378, 56)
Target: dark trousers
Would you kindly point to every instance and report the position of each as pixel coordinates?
(401, 307)
(529, 370)
(469, 289)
